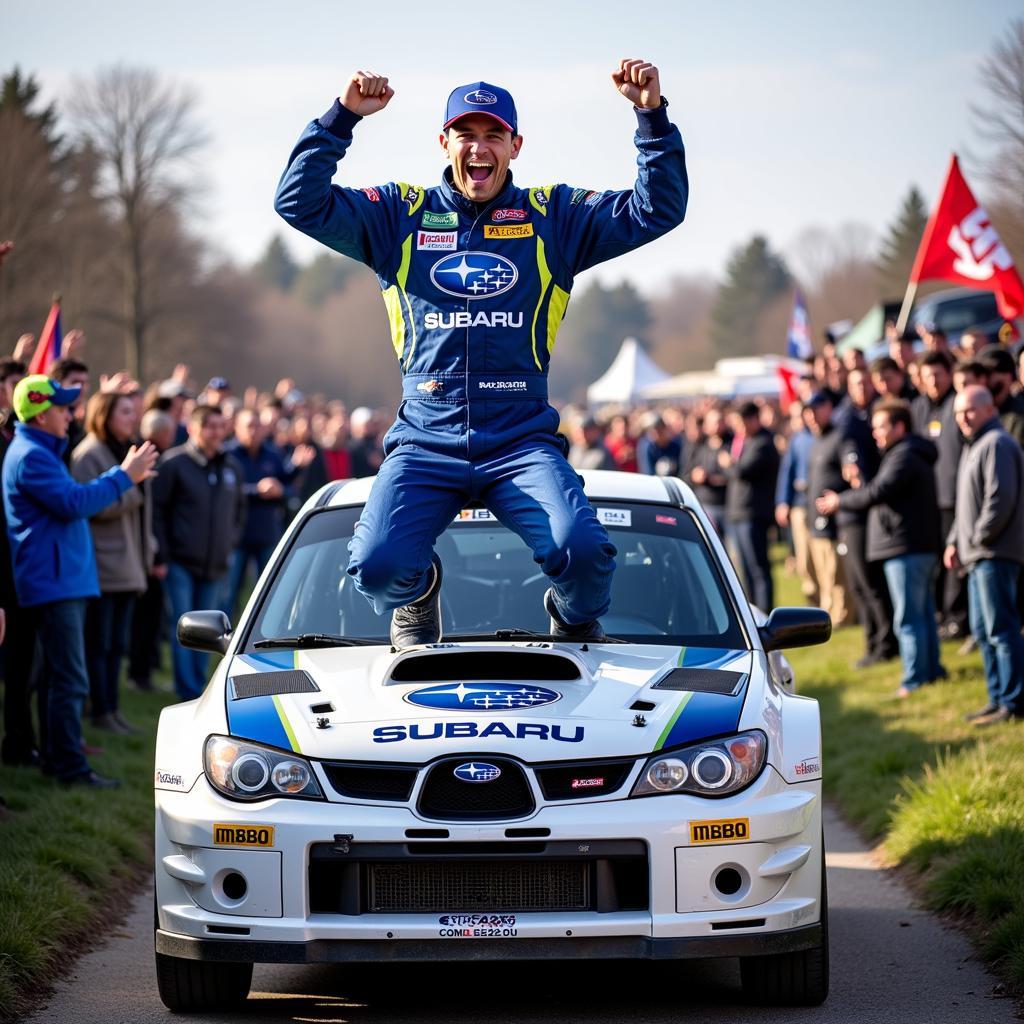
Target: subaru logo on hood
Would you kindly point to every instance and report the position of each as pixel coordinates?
(474, 275)
(482, 696)
(477, 771)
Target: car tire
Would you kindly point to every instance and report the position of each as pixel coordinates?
(791, 979)
(190, 986)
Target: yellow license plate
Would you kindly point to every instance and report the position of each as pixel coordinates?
(243, 835)
(723, 830)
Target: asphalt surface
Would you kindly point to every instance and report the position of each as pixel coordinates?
(890, 962)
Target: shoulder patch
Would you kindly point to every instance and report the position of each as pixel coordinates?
(540, 197)
(412, 195)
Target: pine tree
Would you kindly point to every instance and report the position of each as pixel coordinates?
(275, 267)
(20, 93)
(754, 277)
(899, 247)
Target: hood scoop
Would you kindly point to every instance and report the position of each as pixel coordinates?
(700, 680)
(484, 665)
(267, 684)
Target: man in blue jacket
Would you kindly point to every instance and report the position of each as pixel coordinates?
(52, 554)
(476, 275)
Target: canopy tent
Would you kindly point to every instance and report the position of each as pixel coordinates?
(870, 330)
(624, 382)
(731, 378)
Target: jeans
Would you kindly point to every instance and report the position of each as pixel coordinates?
(259, 556)
(188, 593)
(22, 675)
(995, 624)
(911, 580)
(147, 623)
(107, 619)
(529, 487)
(750, 539)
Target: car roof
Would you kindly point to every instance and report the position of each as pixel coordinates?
(599, 485)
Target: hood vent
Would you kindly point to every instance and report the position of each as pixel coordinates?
(701, 680)
(266, 684)
(488, 666)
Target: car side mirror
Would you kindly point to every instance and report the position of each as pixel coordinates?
(795, 627)
(205, 631)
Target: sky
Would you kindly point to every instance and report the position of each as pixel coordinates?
(793, 113)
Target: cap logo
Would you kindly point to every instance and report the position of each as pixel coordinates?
(35, 397)
(481, 96)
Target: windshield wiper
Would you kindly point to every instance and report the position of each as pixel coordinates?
(528, 634)
(318, 640)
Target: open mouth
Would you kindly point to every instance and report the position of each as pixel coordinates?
(479, 171)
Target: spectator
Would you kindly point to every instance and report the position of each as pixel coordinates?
(889, 380)
(198, 515)
(704, 473)
(73, 373)
(337, 456)
(659, 452)
(903, 534)
(52, 553)
(172, 395)
(1002, 376)
(364, 447)
(621, 444)
(122, 538)
(901, 347)
(752, 466)
(987, 539)
(313, 475)
(972, 341)
(791, 501)
(825, 473)
(588, 450)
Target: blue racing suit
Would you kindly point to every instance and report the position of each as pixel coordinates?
(475, 294)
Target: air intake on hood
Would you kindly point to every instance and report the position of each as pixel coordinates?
(700, 680)
(266, 684)
(484, 665)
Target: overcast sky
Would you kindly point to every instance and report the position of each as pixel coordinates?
(793, 113)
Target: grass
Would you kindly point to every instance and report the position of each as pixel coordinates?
(943, 797)
(71, 858)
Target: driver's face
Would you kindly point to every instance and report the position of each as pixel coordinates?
(479, 150)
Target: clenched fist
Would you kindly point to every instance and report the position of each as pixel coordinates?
(366, 93)
(638, 81)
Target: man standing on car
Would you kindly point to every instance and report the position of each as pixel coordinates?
(474, 420)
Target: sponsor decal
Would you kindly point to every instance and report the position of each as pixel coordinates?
(465, 319)
(474, 515)
(666, 520)
(169, 779)
(437, 240)
(481, 96)
(502, 385)
(508, 230)
(724, 830)
(591, 198)
(615, 516)
(242, 835)
(577, 195)
(540, 197)
(372, 194)
(486, 696)
(411, 195)
(475, 730)
(477, 771)
(439, 220)
(935, 428)
(474, 275)
(586, 783)
(430, 387)
(808, 766)
(477, 926)
(501, 216)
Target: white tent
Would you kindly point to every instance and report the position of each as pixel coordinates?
(631, 372)
(745, 377)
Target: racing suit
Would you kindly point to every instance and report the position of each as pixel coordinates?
(475, 294)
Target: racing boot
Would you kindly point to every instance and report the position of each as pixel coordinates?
(420, 622)
(590, 631)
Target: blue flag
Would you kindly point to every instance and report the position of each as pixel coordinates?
(798, 340)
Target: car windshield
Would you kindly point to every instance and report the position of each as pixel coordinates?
(666, 589)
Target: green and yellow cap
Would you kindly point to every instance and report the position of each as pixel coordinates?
(36, 393)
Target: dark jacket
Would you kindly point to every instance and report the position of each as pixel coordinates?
(265, 517)
(711, 493)
(903, 516)
(1011, 415)
(750, 493)
(198, 510)
(935, 420)
(51, 546)
(825, 473)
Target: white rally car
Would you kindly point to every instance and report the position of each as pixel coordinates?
(498, 795)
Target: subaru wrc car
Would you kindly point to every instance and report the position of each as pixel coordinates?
(502, 794)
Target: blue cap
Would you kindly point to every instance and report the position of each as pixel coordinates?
(482, 98)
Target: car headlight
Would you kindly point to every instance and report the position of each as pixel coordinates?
(706, 769)
(249, 771)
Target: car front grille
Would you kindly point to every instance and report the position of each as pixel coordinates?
(370, 781)
(581, 779)
(447, 797)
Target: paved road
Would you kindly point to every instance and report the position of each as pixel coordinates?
(890, 962)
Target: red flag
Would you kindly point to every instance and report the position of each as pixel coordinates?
(787, 389)
(960, 244)
(48, 347)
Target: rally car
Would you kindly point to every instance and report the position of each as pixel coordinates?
(501, 794)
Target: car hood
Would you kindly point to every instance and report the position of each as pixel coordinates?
(538, 702)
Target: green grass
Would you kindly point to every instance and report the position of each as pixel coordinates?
(943, 796)
(70, 858)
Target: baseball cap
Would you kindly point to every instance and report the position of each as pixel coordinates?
(218, 384)
(482, 98)
(821, 398)
(35, 394)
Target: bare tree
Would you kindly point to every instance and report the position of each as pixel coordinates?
(143, 132)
